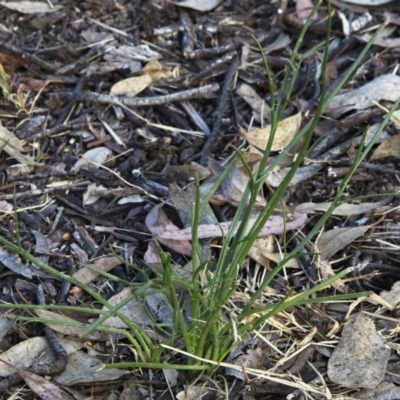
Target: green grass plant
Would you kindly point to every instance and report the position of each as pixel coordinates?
(211, 332)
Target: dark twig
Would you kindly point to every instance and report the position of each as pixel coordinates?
(146, 101)
(29, 58)
(220, 110)
(210, 69)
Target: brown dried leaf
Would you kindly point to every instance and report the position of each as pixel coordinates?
(104, 264)
(274, 226)
(234, 186)
(157, 71)
(325, 268)
(285, 132)
(131, 86)
(388, 148)
(360, 358)
(65, 329)
(157, 223)
(330, 242)
(251, 353)
(44, 388)
(384, 87)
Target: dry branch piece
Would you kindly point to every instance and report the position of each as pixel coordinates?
(144, 101)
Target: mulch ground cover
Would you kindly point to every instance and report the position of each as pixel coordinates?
(85, 159)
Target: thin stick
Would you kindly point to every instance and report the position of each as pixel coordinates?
(144, 101)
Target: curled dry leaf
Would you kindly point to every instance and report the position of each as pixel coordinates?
(285, 132)
(157, 223)
(325, 268)
(13, 147)
(261, 109)
(157, 71)
(388, 148)
(251, 353)
(360, 358)
(131, 86)
(384, 87)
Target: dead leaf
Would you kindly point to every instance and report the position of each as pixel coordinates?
(388, 148)
(132, 86)
(103, 264)
(157, 222)
(12, 146)
(276, 177)
(330, 242)
(393, 295)
(83, 367)
(304, 9)
(360, 358)
(193, 392)
(384, 391)
(24, 354)
(384, 87)
(99, 155)
(251, 353)
(368, 2)
(326, 270)
(157, 71)
(199, 5)
(12, 262)
(274, 226)
(29, 7)
(383, 39)
(261, 109)
(345, 209)
(285, 132)
(234, 186)
(70, 329)
(44, 388)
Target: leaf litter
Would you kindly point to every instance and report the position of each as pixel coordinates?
(72, 213)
